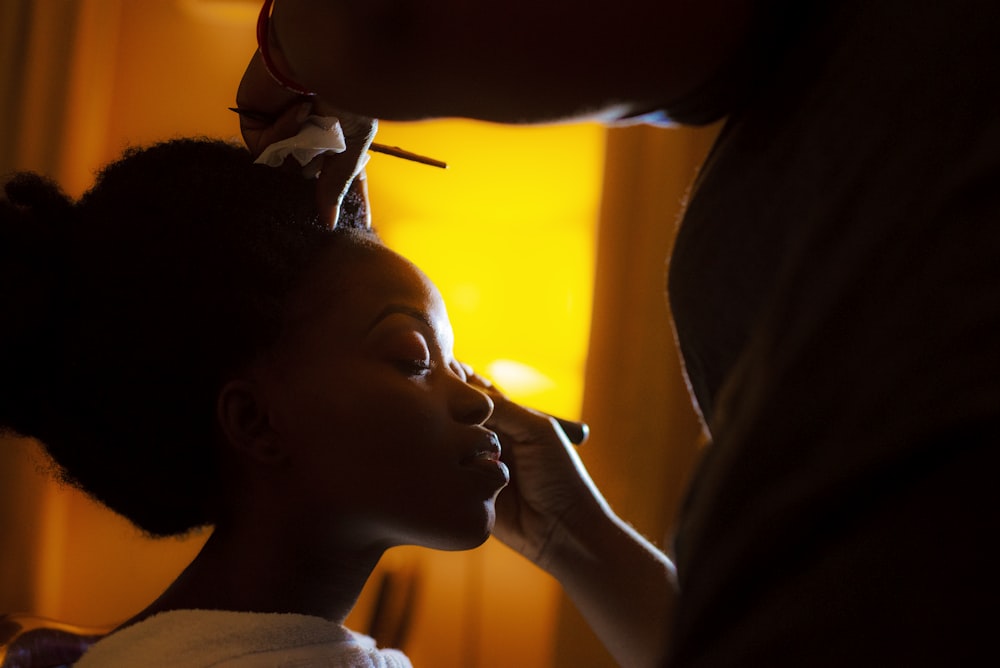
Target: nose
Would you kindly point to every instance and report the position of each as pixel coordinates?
(469, 405)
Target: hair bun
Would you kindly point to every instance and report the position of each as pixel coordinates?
(39, 199)
(34, 218)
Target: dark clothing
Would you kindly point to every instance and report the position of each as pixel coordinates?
(836, 292)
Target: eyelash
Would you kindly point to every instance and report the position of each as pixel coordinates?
(417, 367)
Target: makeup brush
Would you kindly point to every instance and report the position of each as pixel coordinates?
(394, 151)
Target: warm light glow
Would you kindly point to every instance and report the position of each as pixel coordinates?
(227, 12)
(518, 378)
(507, 233)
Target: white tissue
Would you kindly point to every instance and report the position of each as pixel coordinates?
(318, 136)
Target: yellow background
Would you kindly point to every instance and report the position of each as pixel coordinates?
(509, 233)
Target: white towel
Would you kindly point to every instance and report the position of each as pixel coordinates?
(223, 639)
(318, 136)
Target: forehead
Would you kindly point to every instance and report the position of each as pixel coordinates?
(353, 284)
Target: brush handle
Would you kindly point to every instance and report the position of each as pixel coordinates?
(576, 432)
(407, 155)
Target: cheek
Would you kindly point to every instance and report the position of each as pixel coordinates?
(397, 424)
(371, 423)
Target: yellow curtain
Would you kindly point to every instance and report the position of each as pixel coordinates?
(35, 46)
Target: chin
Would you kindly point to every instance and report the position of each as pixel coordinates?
(465, 533)
(469, 544)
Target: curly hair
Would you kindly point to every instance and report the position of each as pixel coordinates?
(125, 312)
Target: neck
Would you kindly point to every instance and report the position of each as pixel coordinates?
(255, 570)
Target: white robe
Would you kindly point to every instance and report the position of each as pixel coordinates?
(224, 639)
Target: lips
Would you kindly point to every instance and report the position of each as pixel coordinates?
(487, 450)
(484, 459)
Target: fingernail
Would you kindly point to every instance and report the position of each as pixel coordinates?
(362, 163)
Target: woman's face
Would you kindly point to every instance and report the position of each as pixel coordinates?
(386, 440)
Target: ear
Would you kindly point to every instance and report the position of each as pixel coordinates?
(243, 415)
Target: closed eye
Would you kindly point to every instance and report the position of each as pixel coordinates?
(416, 367)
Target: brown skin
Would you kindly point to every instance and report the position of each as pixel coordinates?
(522, 62)
(553, 514)
(363, 386)
(512, 62)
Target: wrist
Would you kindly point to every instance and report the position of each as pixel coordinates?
(576, 537)
(594, 538)
(272, 54)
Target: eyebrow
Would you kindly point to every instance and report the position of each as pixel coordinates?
(405, 310)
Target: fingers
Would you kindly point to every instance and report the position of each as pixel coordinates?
(349, 208)
(270, 104)
(521, 421)
(259, 131)
(340, 171)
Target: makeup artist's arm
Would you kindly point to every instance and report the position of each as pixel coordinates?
(554, 515)
(513, 61)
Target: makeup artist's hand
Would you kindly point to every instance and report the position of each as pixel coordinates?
(552, 513)
(343, 172)
(549, 486)
(271, 112)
